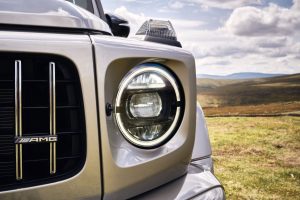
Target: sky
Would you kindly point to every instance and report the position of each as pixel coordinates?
(226, 36)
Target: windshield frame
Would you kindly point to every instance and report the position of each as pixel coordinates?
(97, 8)
(100, 10)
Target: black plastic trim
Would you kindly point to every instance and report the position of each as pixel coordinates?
(49, 29)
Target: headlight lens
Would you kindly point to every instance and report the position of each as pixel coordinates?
(148, 106)
(145, 105)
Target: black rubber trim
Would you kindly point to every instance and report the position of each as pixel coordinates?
(207, 190)
(118, 109)
(163, 41)
(201, 158)
(49, 29)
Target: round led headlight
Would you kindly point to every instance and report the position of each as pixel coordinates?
(148, 106)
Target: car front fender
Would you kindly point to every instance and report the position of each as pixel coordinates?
(202, 147)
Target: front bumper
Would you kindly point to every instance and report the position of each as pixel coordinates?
(198, 183)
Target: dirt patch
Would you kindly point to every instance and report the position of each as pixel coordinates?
(264, 109)
(239, 151)
(253, 151)
(291, 161)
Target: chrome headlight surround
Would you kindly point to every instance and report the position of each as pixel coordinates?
(122, 105)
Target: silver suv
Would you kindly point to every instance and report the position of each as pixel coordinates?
(88, 115)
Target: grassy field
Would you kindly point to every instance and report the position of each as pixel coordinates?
(257, 158)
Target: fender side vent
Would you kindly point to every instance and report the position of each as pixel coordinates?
(42, 124)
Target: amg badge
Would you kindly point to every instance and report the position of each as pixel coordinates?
(35, 139)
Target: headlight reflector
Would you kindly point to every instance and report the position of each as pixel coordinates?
(146, 80)
(148, 106)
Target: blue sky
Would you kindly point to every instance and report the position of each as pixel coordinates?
(226, 36)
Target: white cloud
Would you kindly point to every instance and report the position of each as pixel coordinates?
(166, 9)
(231, 49)
(176, 4)
(235, 47)
(270, 21)
(274, 42)
(218, 62)
(222, 4)
(139, 1)
(296, 5)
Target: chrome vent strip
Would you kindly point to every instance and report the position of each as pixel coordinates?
(52, 89)
(18, 118)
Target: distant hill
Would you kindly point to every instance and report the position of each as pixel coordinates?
(279, 90)
(242, 75)
(215, 93)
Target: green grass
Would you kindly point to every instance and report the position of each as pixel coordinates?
(257, 158)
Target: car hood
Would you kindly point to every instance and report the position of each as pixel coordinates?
(49, 13)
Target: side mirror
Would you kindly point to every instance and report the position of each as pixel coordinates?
(118, 25)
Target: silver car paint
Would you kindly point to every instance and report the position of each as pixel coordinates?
(202, 147)
(87, 183)
(49, 13)
(196, 184)
(128, 170)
